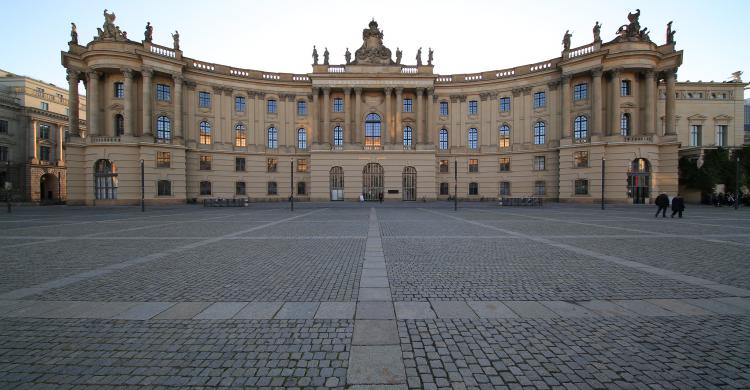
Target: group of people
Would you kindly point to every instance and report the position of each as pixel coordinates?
(662, 202)
(728, 199)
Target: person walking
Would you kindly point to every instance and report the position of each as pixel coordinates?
(662, 201)
(678, 206)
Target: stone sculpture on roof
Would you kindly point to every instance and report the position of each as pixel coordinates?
(632, 31)
(73, 34)
(109, 30)
(372, 52)
(149, 33)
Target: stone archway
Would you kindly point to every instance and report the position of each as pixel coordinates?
(639, 180)
(49, 188)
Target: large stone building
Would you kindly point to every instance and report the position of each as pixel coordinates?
(376, 126)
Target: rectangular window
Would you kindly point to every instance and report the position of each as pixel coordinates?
(239, 164)
(580, 160)
(695, 135)
(272, 188)
(582, 187)
(204, 99)
(444, 189)
(504, 188)
(504, 136)
(473, 188)
(444, 167)
(540, 188)
(473, 165)
(239, 103)
(581, 92)
(44, 106)
(301, 188)
(443, 108)
(301, 165)
(205, 188)
(504, 164)
(44, 153)
(625, 88)
(271, 106)
(301, 108)
(539, 163)
(3, 154)
(239, 188)
(164, 188)
(338, 105)
(3, 127)
(205, 163)
(164, 93)
(721, 135)
(473, 107)
(271, 165)
(407, 105)
(540, 99)
(505, 104)
(119, 90)
(163, 159)
(43, 131)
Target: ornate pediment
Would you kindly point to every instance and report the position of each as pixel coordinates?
(722, 117)
(373, 52)
(697, 117)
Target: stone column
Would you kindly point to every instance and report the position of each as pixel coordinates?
(650, 111)
(566, 128)
(420, 115)
(315, 112)
(596, 103)
(32, 141)
(60, 139)
(399, 107)
(127, 102)
(389, 138)
(177, 107)
(429, 131)
(216, 128)
(93, 102)
(73, 102)
(326, 115)
(146, 73)
(347, 116)
(614, 125)
(670, 103)
(358, 116)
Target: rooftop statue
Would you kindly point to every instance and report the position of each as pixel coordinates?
(325, 56)
(176, 38)
(149, 33)
(399, 53)
(430, 56)
(348, 56)
(597, 32)
(632, 31)
(737, 76)
(73, 34)
(566, 40)
(109, 30)
(373, 51)
(315, 55)
(419, 57)
(670, 34)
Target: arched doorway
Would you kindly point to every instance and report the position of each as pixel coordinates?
(409, 183)
(336, 183)
(105, 179)
(372, 181)
(639, 180)
(49, 188)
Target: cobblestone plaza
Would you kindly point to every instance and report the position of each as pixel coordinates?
(374, 296)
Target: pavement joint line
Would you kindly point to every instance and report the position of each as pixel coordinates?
(36, 289)
(612, 259)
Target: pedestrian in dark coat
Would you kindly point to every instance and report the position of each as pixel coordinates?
(662, 201)
(678, 206)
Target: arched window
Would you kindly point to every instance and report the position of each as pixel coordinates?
(407, 137)
(119, 125)
(540, 130)
(336, 183)
(473, 135)
(105, 180)
(163, 129)
(301, 139)
(205, 133)
(372, 131)
(581, 128)
(338, 136)
(273, 138)
(240, 135)
(443, 139)
(504, 139)
(625, 124)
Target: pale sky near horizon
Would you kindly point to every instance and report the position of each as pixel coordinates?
(468, 37)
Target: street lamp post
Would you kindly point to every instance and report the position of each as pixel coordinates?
(455, 185)
(143, 187)
(291, 183)
(7, 184)
(737, 181)
(59, 189)
(603, 162)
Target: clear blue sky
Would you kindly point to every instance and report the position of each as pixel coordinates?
(467, 37)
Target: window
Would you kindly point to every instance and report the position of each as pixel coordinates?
(44, 106)
(407, 105)
(505, 104)
(473, 188)
(164, 188)
(105, 180)
(3, 154)
(119, 90)
(301, 108)
(539, 133)
(473, 107)
(205, 133)
(407, 137)
(504, 164)
(625, 124)
(44, 131)
(301, 165)
(540, 188)
(119, 125)
(504, 188)
(301, 188)
(473, 136)
(273, 138)
(163, 159)
(239, 188)
(44, 153)
(272, 190)
(163, 129)
(271, 106)
(580, 92)
(239, 164)
(721, 135)
(582, 187)
(580, 160)
(444, 167)
(540, 99)
(695, 135)
(444, 189)
(338, 105)
(443, 139)
(302, 139)
(204, 99)
(539, 163)
(372, 131)
(240, 135)
(164, 93)
(473, 165)
(272, 165)
(205, 163)
(504, 139)
(3, 127)
(205, 188)
(581, 128)
(443, 108)
(625, 88)
(239, 103)
(338, 136)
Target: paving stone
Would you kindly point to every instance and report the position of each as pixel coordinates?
(374, 282)
(376, 365)
(297, 310)
(679, 306)
(220, 311)
(714, 305)
(492, 309)
(606, 308)
(39, 308)
(644, 308)
(414, 310)
(336, 310)
(144, 311)
(566, 309)
(375, 332)
(375, 311)
(99, 309)
(743, 303)
(449, 309)
(529, 309)
(374, 294)
(182, 311)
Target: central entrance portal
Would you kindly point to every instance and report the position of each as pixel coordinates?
(409, 183)
(639, 180)
(372, 181)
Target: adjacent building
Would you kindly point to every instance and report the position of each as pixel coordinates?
(604, 119)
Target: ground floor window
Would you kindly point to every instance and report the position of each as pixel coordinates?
(105, 180)
(205, 188)
(504, 188)
(444, 188)
(473, 188)
(164, 188)
(301, 188)
(272, 190)
(239, 188)
(540, 188)
(582, 187)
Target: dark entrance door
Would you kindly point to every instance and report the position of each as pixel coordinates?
(409, 183)
(372, 181)
(639, 181)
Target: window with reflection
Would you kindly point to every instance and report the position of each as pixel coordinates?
(443, 140)
(581, 128)
(338, 136)
(163, 129)
(302, 139)
(540, 130)
(407, 136)
(205, 133)
(273, 138)
(504, 138)
(473, 138)
(372, 131)
(240, 135)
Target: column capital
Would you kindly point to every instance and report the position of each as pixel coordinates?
(93, 74)
(596, 72)
(649, 74)
(347, 91)
(326, 90)
(616, 71)
(484, 96)
(73, 75)
(430, 91)
(127, 72)
(358, 90)
(552, 85)
(147, 72)
(565, 79)
(399, 91)
(177, 79)
(388, 91)
(316, 91)
(420, 91)
(309, 98)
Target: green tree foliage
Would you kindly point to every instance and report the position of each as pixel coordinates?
(718, 168)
